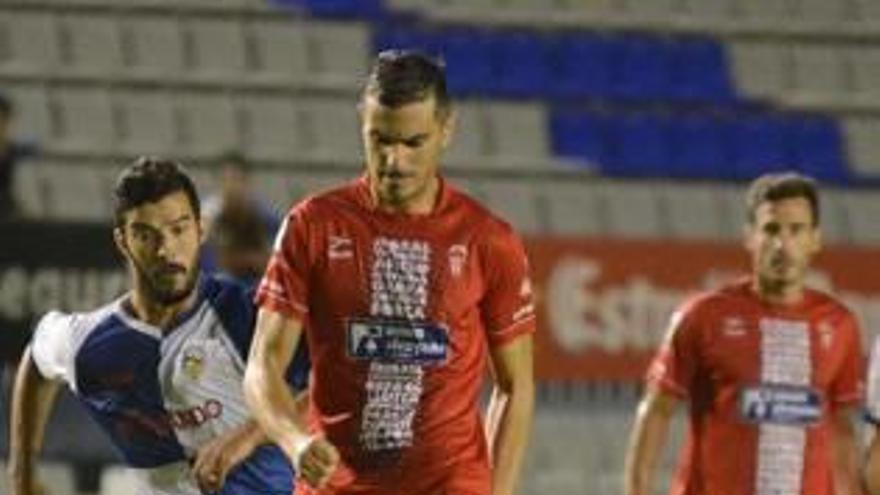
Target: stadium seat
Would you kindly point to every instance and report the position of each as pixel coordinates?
(699, 147)
(77, 192)
(574, 208)
(156, 47)
(147, 123)
(865, 66)
(219, 52)
(470, 142)
(339, 52)
(835, 222)
(208, 123)
(819, 69)
(30, 43)
(523, 63)
(85, 121)
(92, 45)
(760, 145)
(633, 210)
(337, 8)
(640, 146)
(329, 130)
(762, 11)
(863, 212)
(581, 135)
(643, 67)
(33, 117)
(523, 213)
(518, 133)
(709, 10)
(825, 10)
(818, 149)
(282, 51)
(693, 211)
(760, 68)
(863, 147)
(271, 127)
(699, 71)
(582, 65)
(469, 64)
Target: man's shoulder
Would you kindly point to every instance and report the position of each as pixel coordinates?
(716, 301)
(80, 322)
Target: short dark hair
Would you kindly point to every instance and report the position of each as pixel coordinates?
(236, 159)
(401, 77)
(779, 186)
(149, 179)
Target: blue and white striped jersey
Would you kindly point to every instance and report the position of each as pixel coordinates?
(162, 395)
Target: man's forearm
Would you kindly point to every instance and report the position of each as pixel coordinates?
(32, 401)
(646, 442)
(273, 406)
(509, 423)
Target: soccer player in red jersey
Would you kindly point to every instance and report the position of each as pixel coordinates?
(771, 369)
(403, 287)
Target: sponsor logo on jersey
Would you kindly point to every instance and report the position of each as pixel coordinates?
(340, 248)
(457, 257)
(780, 404)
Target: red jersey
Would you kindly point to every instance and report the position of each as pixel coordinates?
(399, 311)
(762, 381)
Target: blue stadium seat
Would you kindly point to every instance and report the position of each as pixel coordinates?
(642, 68)
(640, 146)
(700, 148)
(700, 71)
(581, 65)
(469, 66)
(818, 149)
(523, 65)
(580, 135)
(760, 145)
(338, 8)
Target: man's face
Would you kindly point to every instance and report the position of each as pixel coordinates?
(161, 242)
(783, 240)
(403, 147)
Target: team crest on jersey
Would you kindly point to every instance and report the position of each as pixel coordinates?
(457, 258)
(339, 248)
(733, 326)
(193, 362)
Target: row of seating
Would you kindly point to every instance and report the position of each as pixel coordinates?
(570, 65)
(165, 49)
(578, 207)
(88, 119)
(737, 146)
(782, 12)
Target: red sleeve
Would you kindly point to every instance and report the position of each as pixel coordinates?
(847, 388)
(675, 365)
(507, 306)
(284, 287)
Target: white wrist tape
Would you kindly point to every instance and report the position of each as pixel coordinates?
(299, 448)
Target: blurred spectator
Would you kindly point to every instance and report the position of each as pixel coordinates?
(11, 152)
(240, 227)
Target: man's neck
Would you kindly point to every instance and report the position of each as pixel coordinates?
(779, 294)
(422, 204)
(157, 314)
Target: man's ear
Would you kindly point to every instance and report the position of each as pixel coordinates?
(119, 241)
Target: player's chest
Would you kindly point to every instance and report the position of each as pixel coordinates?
(752, 349)
(395, 272)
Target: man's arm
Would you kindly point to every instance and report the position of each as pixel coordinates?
(872, 463)
(32, 399)
(274, 407)
(647, 440)
(511, 408)
(845, 461)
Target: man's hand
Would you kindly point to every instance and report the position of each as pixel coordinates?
(218, 457)
(316, 462)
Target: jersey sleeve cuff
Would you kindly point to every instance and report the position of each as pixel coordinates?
(274, 303)
(514, 330)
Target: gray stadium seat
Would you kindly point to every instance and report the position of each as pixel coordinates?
(518, 135)
(33, 119)
(714, 10)
(92, 45)
(340, 52)
(633, 210)
(825, 10)
(78, 192)
(865, 66)
(863, 144)
(330, 130)
(734, 212)
(272, 127)
(820, 69)
(694, 212)
(574, 208)
(31, 189)
(31, 45)
(469, 142)
(207, 122)
(760, 68)
(147, 123)
(219, 52)
(282, 51)
(85, 120)
(834, 218)
(156, 47)
(761, 10)
(863, 212)
(516, 202)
